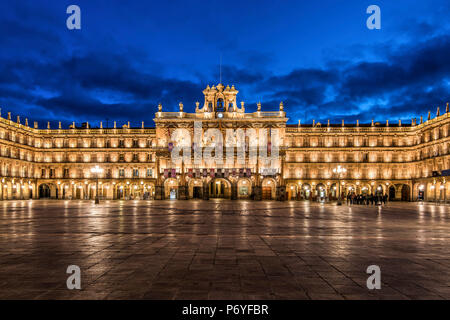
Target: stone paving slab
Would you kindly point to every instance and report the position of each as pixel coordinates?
(221, 249)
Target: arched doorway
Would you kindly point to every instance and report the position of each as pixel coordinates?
(121, 192)
(244, 188)
(391, 193)
(171, 189)
(306, 191)
(321, 192)
(44, 191)
(268, 189)
(405, 193)
(291, 190)
(221, 188)
(196, 188)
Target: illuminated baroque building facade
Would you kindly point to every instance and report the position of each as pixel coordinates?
(402, 160)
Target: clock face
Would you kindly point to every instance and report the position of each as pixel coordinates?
(220, 115)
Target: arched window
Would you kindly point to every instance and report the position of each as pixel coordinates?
(220, 105)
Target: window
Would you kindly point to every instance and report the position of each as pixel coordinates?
(149, 173)
(66, 173)
(43, 173)
(121, 173)
(135, 173)
(52, 173)
(121, 144)
(121, 157)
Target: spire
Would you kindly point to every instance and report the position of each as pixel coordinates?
(387, 122)
(328, 124)
(446, 108)
(48, 124)
(372, 123)
(399, 122)
(220, 71)
(259, 106)
(421, 119)
(281, 106)
(357, 122)
(101, 124)
(26, 122)
(438, 113)
(142, 126)
(429, 115)
(159, 107)
(59, 124)
(181, 106)
(18, 119)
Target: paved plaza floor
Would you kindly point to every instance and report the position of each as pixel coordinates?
(222, 249)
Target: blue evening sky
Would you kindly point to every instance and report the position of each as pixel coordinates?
(318, 57)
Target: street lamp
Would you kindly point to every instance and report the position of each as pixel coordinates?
(339, 170)
(96, 170)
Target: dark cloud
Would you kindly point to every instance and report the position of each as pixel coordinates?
(48, 73)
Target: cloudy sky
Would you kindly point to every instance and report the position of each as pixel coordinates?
(318, 57)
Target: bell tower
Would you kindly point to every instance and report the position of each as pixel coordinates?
(220, 99)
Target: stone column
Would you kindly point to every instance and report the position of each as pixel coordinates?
(257, 191)
(234, 191)
(205, 191)
(281, 189)
(159, 192)
(183, 192)
(281, 193)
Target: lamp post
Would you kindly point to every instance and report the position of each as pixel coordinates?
(96, 170)
(339, 170)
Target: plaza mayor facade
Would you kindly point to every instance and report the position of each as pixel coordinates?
(407, 161)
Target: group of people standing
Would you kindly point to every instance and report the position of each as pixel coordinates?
(373, 199)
